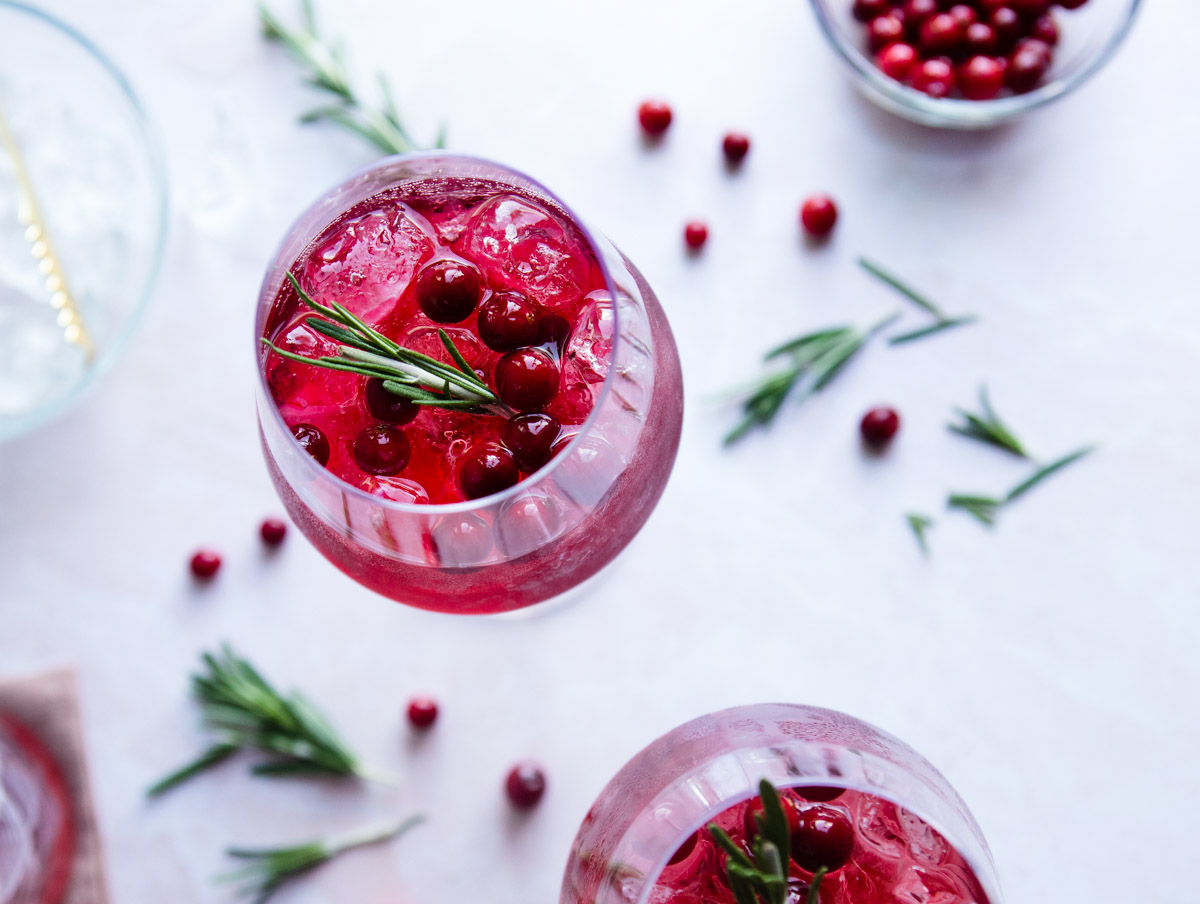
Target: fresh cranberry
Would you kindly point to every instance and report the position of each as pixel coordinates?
(506, 321)
(819, 793)
(531, 438)
(979, 38)
(553, 332)
(818, 215)
(755, 809)
(1045, 29)
(486, 469)
(525, 785)
(1028, 64)
(866, 10)
(387, 406)
(897, 61)
(934, 77)
(695, 234)
(884, 30)
(655, 117)
(824, 838)
(272, 531)
(916, 12)
(449, 290)
(381, 449)
(735, 146)
(963, 14)
(1030, 9)
(940, 34)
(422, 711)
(1071, 4)
(981, 78)
(1007, 26)
(205, 564)
(684, 850)
(526, 379)
(878, 426)
(312, 441)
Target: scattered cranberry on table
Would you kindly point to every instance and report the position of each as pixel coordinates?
(695, 234)
(525, 785)
(818, 215)
(879, 426)
(205, 563)
(272, 531)
(654, 116)
(735, 146)
(422, 712)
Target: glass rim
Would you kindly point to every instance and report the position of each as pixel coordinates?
(150, 140)
(521, 487)
(960, 111)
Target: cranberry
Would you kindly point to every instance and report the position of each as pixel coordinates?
(934, 77)
(940, 34)
(381, 449)
(387, 406)
(422, 712)
(818, 215)
(981, 78)
(897, 61)
(735, 146)
(695, 234)
(486, 469)
(755, 808)
(506, 321)
(449, 290)
(1071, 4)
(1027, 65)
(272, 531)
(824, 838)
(916, 12)
(1007, 26)
(819, 793)
(655, 117)
(553, 331)
(684, 850)
(963, 14)
(884, 30)
(1045, 29)
(205, 564)
(531, 438)
(312, 441)
(525, 785)
(979, 38)
(878, 426)
(866, 10)
(1029, 8)
(526, 379)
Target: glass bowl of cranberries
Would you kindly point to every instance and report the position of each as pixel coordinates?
(972, 64)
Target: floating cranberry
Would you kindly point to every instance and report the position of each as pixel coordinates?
(963, 14)
(897, 61)
(824, 838)
(940, 34)
(655, 117)
(1007, 26)
(387, 406)
(525, 785)
(381, 449)
(205, 563)
(506, 321)
(684, 850)
(819, 793)
(755, 809)
(878, 426)
(934, 77)
(1028, 64)
(735, 146)
(553, 332)
(422, 712)
(487, 469)
(312, 441)
(526, 379)
(866, 10)
(695, 234)
(981, 78)
(448, 291)
(1045, 29)
(273, 531)
(818, 215)
(531, 438)
(884, 30)
(979, 38)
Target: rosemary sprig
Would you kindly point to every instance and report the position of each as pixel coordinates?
(419, 378)
(815, 358)
(985, 508)
(270, 868)
(247, 713)
(987, 427)
(760, 877)
(942, 321)
(327, 70)
(920, 524)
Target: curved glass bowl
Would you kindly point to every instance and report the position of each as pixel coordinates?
(696, 772)
(1090, 36)
(546, 534)
(83, 214)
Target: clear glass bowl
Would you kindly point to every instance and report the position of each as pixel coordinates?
(83, 214)
(544, 535)
(1090, 36)
(696, 772)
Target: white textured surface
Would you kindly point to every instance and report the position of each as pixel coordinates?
(1048, 668)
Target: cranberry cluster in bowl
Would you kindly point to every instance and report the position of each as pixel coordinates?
(971, 63)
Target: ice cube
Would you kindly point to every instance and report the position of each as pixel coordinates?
(925, 844)
(462, 540)
(880, 829)
(590, 346)
(425, 339)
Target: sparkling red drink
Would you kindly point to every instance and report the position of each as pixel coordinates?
(445, 509)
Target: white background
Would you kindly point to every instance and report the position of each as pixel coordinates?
(1047, 667)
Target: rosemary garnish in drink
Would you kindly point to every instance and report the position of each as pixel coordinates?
(269, 868)
(941, 320)
(984, 509)
(419, 378)
(818, 356)
(327, 70)
(987, 428)
(247, 713)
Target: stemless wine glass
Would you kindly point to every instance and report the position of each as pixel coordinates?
(36, 821)
(700, 770)
(547, 533)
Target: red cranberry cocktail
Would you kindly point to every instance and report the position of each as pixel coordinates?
(468, 402)
(869, 820)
